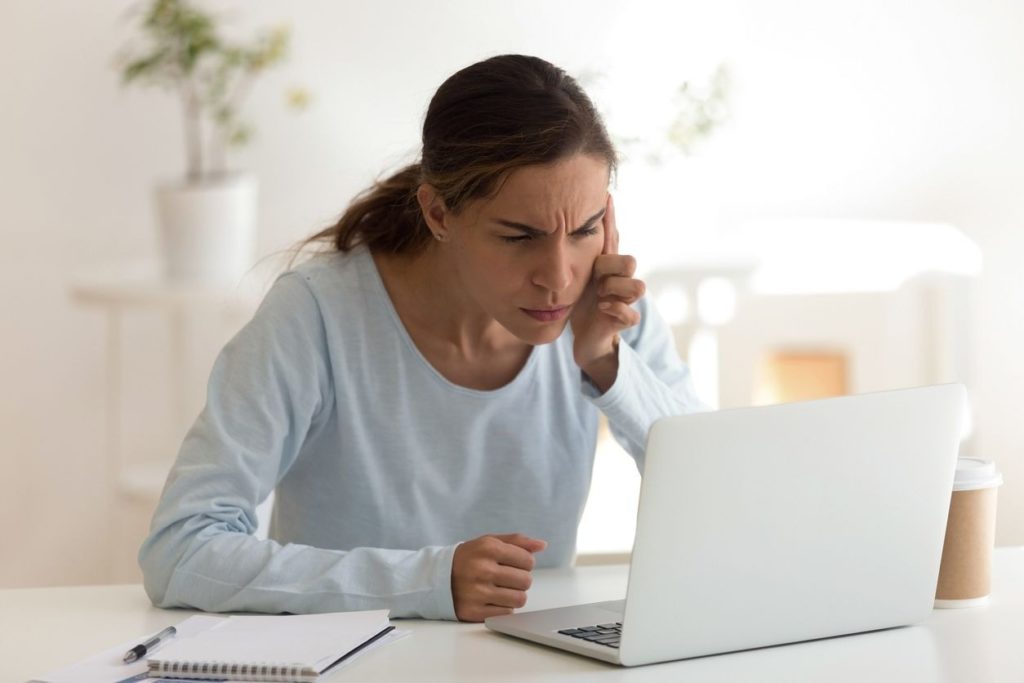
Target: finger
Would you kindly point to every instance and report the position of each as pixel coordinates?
(621, 312)
(614, 264)
(533, 545)
(506, 597)
(513, 556)
(626, 289)
(509, 577)
(611, 230)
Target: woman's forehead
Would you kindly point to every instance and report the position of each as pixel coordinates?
(579, 183)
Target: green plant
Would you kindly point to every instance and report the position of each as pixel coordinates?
(185, 54)
(700, 110)
(697, 109)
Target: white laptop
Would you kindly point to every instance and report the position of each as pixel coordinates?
(778, 524)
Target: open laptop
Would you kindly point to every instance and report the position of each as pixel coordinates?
(778, 524)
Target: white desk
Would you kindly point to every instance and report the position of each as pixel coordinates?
(976, 645)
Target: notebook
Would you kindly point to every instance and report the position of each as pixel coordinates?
(282, 648)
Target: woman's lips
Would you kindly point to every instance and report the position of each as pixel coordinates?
(546, 315)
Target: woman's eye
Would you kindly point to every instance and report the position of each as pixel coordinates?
(514, 239)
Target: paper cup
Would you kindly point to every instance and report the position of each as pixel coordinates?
(965, 575)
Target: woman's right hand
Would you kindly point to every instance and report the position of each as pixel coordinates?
(491, 574)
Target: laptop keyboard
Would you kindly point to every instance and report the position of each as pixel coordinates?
(602, 634)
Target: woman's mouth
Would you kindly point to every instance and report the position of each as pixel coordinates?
(546, 315)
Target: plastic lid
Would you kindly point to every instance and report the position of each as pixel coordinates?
(972, 473)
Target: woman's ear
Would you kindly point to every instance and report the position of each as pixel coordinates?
(434, 211)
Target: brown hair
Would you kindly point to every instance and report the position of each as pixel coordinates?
(483, 122)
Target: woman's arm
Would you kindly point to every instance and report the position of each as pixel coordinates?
(268, 390)
(626, 352)
(651, 382)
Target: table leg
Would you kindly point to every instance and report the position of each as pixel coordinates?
(180, 381)
(114, 391)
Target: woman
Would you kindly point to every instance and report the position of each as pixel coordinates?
(424, 398)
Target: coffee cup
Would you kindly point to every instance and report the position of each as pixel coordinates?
(965, 574)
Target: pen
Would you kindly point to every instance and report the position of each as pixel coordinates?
(149, 645)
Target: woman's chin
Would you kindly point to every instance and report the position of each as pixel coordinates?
(538, 335)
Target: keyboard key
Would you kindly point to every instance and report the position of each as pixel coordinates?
(609, 635)
(604, 640)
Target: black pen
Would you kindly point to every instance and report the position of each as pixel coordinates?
(149, 645)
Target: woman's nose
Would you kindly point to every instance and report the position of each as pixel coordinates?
(554, 272)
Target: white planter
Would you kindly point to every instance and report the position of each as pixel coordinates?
(208, 229)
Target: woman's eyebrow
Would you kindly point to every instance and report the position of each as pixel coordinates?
(537, 232)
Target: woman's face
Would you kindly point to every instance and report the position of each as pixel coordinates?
(525, 255)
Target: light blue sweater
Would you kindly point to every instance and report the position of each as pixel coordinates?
(381, 466)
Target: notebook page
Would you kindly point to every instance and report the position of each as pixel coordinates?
(312, 639)
(107, 666)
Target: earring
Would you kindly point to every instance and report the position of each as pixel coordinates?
(439, 237)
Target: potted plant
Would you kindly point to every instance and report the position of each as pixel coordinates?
(207, 218)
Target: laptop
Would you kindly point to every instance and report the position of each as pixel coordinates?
(779, 524)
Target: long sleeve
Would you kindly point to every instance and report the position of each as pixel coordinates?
(268, 393)
(652, 382)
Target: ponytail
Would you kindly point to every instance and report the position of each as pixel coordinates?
(385, 217)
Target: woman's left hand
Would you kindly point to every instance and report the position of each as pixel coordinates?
(604, 309)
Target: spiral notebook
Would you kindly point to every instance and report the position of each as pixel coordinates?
(285, 649)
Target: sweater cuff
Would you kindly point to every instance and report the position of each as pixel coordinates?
(440, 604)
(615, 402)
(590, 389)
(626, 357)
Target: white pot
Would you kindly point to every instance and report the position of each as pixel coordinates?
(208, 229)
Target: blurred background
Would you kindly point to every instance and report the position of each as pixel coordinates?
(824, 198)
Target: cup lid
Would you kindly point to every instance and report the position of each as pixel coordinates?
(974, 473)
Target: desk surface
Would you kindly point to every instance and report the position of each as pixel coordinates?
(977, 645)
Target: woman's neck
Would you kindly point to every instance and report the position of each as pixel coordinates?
(436, 309)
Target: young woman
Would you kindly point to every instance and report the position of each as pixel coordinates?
(424, 397)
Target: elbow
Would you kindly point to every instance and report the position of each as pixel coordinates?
(169, 558)
(161, 557)
(157, 569)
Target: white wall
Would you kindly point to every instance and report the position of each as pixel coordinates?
(871, 109)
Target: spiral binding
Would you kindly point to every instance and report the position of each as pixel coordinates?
(264, 672)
